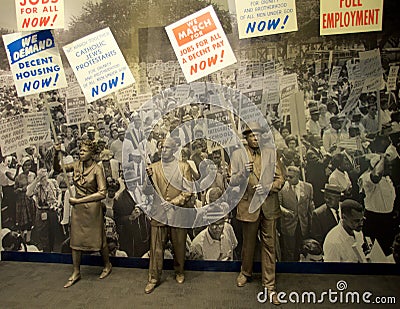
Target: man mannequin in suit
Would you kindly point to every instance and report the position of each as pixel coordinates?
(325, 217)
(249, 172)
(296, 201)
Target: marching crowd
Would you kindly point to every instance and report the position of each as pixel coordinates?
(339, 177)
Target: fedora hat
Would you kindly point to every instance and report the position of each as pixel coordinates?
(333, 189)
(253, 127)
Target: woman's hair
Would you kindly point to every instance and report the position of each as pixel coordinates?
(92, 146)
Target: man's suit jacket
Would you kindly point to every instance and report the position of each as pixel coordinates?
(301, 208)
(269, 174)
(174, 188)
(322, 222)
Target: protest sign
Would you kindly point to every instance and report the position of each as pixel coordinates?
(288, 85)
(371, 70)
(39, 14)
(248, 110)
(219, 130)
(355, 93)
(392, 77)
(297, 114)
(76, 110)
(74, 90)
(37, 128)
(12, 134)
(350, 16)
(200, 44)
(138, 101)
(125, 95)
(6, 79)
(318, 65)
(334, 75)
(265, 17)
(35, 62)
(98, 64)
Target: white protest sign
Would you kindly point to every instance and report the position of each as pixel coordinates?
(12, 134)
(355, 93)
(138, 101)
(76, 110)
(318, 65)
(297, 113)
(39, 14)
(350, 16)
(200, 44)
(392, 77)
(98, 64)
(74, 90)
(6, 79)
(37, 128)
(125, 95)
(219, 130)
(265, 17)
(248, 110)
(288, 85)
(35, 62)
(371, 70)
(334, 75)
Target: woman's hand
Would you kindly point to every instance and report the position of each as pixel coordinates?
(73, 200)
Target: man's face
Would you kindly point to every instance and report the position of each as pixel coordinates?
(315, 117)
(354, 221)
(292, 177)
(216, 158)
(216, 229)
(372, 111)
(121, 136)
(332, 200)
(167, 150)
(252, 139)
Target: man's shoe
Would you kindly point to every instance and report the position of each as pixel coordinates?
(180, 278)
(106, 271)
(241, 280)
(273, 298)
(150, 286)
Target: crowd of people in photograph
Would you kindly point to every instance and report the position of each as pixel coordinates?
(339, 185)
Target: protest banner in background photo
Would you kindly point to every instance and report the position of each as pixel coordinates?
(350, 16)
(37, 128)
(392, 77)
(265, 17)
(371, 70)
(35, 62)
(76, 110)
(39, 14)
(98, 64)
(200, 44)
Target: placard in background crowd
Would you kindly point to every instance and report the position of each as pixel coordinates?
(98, 64)
(200, 44)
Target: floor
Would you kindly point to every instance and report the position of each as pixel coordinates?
(39, 285)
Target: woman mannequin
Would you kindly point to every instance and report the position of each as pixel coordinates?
(25, 208)
(87, 219)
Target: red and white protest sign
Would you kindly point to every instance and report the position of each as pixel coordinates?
(39, 14)
(200, 44)
(350, 16)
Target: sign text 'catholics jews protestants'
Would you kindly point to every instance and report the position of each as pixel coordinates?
(265, 17)
(98, 64)
(35, 62)
(200, 44)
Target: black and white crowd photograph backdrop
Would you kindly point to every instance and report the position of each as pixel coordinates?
(118, 117)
